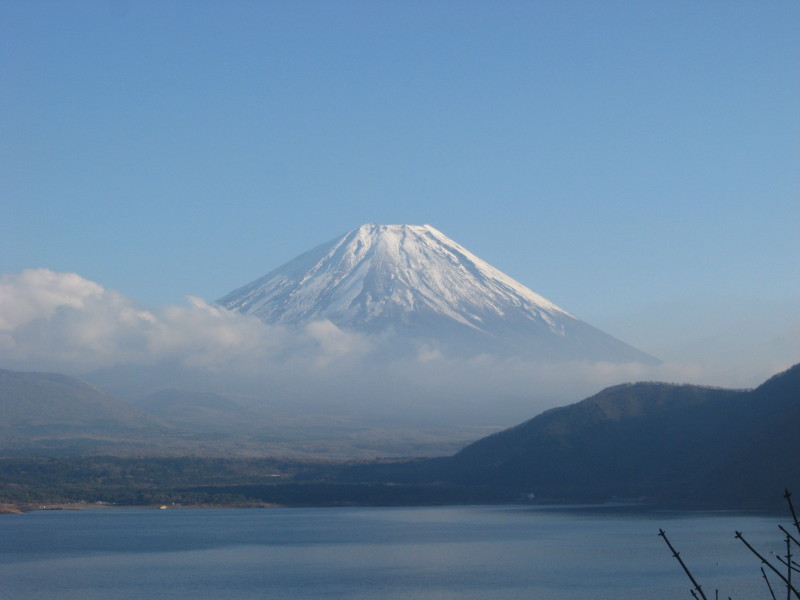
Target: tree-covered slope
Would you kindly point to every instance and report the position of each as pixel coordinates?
(662, 442)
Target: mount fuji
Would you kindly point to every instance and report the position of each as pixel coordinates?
(413, 290)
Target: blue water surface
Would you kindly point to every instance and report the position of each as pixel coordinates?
(441, 553)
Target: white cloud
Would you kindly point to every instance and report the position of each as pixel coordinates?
(38, 293)
(333, 343)
(63, 322)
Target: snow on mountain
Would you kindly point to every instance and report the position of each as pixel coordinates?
(415, 288)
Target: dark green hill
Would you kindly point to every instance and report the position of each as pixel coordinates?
(673, 443)
(765, 449)
(629, 440)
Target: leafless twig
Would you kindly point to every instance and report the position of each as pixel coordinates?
(677, 555)
(789, 585)
(783, 529)
(769, 585)
(789, 567)
(788, 495)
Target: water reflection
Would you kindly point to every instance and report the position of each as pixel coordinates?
(503, 553)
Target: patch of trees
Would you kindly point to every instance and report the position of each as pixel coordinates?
(228, 482)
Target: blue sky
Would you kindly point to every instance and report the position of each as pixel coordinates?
(637, 163)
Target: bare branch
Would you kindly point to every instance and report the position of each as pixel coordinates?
(677, 555)
(795, 566)
(766, 562)
(788, 495)
(783, 529)
(769, 585)
(788, 566)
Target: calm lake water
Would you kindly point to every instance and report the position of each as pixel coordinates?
(442, 553)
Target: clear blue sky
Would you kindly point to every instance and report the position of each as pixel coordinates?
(637, 163)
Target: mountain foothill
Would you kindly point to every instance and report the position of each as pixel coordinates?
(681, 445)
(404, 288)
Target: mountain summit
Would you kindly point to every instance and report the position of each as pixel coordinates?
(416, 289)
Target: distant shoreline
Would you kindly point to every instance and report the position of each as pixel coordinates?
(18, 509)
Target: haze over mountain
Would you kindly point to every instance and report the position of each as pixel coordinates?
(55, 413)
(389, 323)
(413, 290)
(51, 414)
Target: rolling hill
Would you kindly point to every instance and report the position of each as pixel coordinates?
(58, 413)
(655, 441)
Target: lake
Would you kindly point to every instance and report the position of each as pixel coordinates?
(440, 553)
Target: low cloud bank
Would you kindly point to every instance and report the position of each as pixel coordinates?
(62, 322)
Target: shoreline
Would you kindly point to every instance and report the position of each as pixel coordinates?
(19, 509)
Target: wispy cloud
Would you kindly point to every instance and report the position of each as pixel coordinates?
(63, 322)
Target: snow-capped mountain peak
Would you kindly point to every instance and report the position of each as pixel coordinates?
(417, 284)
